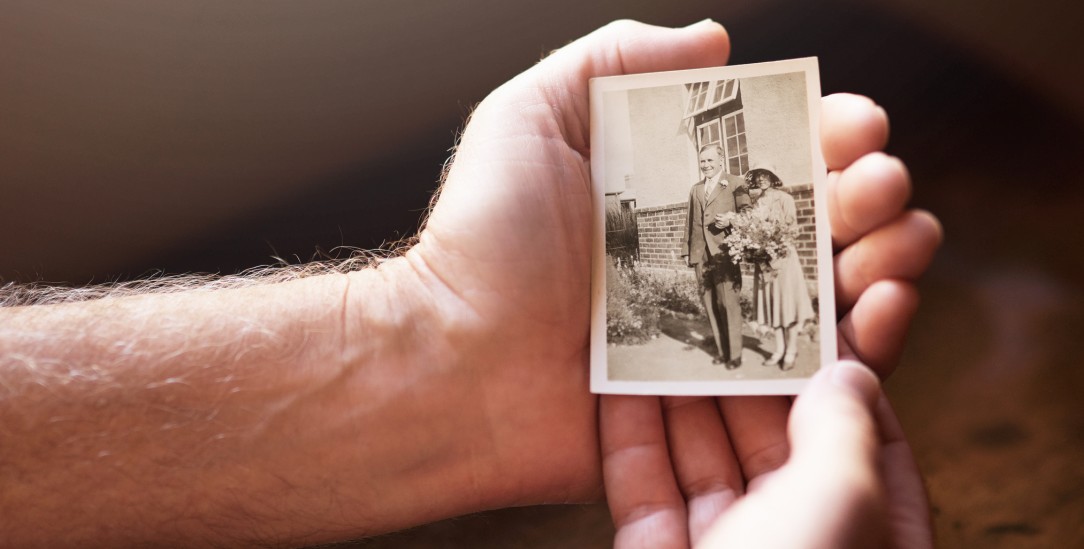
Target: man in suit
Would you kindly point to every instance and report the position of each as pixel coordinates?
(710, 200)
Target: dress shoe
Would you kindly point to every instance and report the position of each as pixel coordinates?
(733, 364)
(717, 360)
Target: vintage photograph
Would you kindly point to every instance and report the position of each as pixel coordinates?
(712, 268)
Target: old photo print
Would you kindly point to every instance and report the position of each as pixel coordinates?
(712, 266)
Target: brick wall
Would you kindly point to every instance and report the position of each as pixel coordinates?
(662, 229)
(807, 237)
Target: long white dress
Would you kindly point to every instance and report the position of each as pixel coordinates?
(782, 300)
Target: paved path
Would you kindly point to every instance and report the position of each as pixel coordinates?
(683, 352)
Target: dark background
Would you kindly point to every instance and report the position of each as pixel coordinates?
(146, 136)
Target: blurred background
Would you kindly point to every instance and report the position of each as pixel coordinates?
(144, 136)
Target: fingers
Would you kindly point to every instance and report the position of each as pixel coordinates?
(757, 426)
(647, 508)
(873, 332)
(866, 195)
(851, 127)
(704, 464)
(901, 249)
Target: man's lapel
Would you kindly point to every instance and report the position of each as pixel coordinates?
(716, 191)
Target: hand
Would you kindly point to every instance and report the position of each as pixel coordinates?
(673, 466)
(723, 220)
(850, 481)
(505, 259)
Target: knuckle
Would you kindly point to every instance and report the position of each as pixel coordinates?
(765, 459)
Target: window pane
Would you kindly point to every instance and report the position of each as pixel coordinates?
(741, 144)
(732, 146)
(714, 127)
(693, 89)
(735, 166)
(700, 101)
(744, 163)
(718, 92)
(740, 117)
(729, 87)
(731, 127)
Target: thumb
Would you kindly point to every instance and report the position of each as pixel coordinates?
(835, 447)
(558, 85)
(829, 492)
(834, 416)
(527, 143)
(549, 101)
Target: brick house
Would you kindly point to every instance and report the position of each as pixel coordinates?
(759, 119)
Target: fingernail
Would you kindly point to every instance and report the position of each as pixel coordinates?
(856, 378)
(884, 114)
(702, 22)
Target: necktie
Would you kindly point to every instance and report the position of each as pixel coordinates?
(709, 187)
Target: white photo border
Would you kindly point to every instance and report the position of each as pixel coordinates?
(600, 383)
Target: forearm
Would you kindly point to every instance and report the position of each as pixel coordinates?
(279, 413)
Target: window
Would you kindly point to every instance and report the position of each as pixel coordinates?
(709, 133)
(729, 133)
(708, 95)
(737, 153)
(698, 94)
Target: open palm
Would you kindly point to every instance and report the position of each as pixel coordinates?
(505, 260)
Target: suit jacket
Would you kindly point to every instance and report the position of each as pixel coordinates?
(702, 238)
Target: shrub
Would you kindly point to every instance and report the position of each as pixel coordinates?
(635, 297)
(622, 236)
(632, 309)
(680, 294)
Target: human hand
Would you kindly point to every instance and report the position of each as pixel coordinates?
(504, 259)
(711, 451)
(724, 220)
(850, 480)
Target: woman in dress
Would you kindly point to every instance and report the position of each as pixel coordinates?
(782, 298)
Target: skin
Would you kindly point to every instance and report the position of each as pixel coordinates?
(709, 166)
(448, 380)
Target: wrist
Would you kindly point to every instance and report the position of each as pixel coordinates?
(403, 416)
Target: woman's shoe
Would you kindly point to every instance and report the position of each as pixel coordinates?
(788, 363)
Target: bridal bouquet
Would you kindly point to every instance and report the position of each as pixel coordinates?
(756, 238)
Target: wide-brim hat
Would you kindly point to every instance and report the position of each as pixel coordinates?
(762, 167)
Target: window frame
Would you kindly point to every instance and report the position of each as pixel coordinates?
(719, 92)
(724, 140)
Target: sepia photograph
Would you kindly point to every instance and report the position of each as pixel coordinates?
(712, 268)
